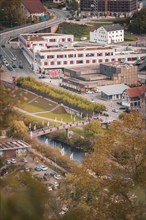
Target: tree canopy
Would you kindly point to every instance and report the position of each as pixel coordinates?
(111, 183)
(138, 22)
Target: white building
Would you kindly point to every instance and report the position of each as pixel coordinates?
(108, 34)
(53, 51)
(112, 92)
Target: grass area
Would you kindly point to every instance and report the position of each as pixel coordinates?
(65, 117)
(40, 104)
(77, 30)
(129, 37)
(31, 108)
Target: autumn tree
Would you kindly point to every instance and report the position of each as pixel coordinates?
(111, 182)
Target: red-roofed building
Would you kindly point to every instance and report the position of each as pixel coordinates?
(133, 97)
(33, 8)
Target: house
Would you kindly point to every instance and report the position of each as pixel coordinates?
(33, 8)
(11, 148)
(134, 98)
(108, 34)
(112, 92)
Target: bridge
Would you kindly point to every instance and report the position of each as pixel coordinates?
(66, 127)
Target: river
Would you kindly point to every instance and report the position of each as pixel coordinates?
(73, 153)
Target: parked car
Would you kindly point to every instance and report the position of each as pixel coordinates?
(53, 174)
(13, 161)
(50, 188)
(14, 58)
(38, 168)
(14, 66)
(3, 45)
(58, 177)
(20, 66)
(43, 167)
(8, 161)
(24, 160)
(115, 110)
(89, 92)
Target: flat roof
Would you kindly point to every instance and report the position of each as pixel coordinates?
(12, 144)
(113, 89)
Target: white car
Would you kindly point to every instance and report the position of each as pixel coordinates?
(57, 177)
(43, 167)
(50, 188)
(115, 110)
(89, 92)
(8, 161)
(13, 161)
(14, 58)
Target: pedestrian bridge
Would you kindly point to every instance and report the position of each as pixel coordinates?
(66, 126)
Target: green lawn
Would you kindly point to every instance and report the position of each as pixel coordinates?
(31, 108)
(129, 37)
(65, 117)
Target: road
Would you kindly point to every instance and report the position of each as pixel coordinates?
(10, 49)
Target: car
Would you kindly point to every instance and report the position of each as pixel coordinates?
(58, 177)
(43, 167)
(50, 188)
(122, 108)
(3, 45)
(89, 92)
(92, 100)
(9, 67)
(38, 168)
(56, 184)
(24, 160)
(14, 58)
(13, 161)
(8, 161)
(119, 103)
(42, 77)
(115, 110)
(20, 66)
(53, 174)
(47, 175)
(6, 64)
(14, 66)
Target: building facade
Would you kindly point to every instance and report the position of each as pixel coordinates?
(50, 51)
(109, 34)
(120, 72)
(111, 8)
(134, 98)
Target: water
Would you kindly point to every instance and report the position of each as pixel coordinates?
(74, 154)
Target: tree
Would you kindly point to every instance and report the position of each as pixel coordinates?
(18, 129)
(112, 180)
(6, 107)
(138, 22)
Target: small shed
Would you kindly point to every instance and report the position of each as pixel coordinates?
(12, 148)
(112, 92)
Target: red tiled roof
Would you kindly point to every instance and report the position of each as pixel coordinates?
(136, 91)
(34, 6)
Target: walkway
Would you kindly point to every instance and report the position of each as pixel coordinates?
(37, 116)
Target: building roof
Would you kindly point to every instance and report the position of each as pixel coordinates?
(113, 27)
(34, 6)
(108, 28)
(12, 144)
(136, 91)
(113, 89)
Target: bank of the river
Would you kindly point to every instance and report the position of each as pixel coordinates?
(65, 149)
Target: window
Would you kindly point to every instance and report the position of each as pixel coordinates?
(79, 61)
(71, 62)
(80, 55)
(45, 63)
(58, 62)
(52, 63)
(93, 61)
(64, 62)
(87, 61)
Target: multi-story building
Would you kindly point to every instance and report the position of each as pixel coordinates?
(120, 72)
(108, 34)
(53, 51)
(108, 7)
